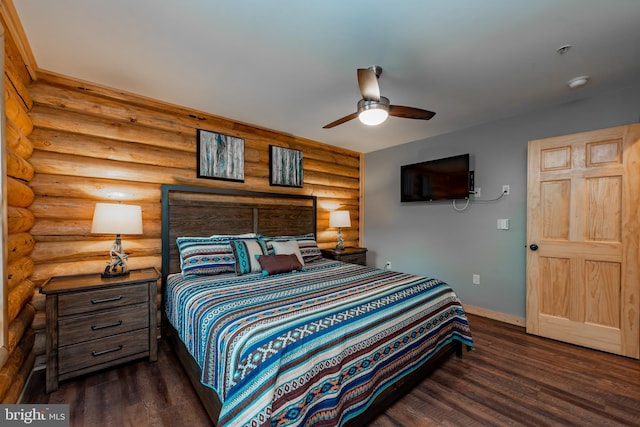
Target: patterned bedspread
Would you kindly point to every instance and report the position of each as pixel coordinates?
(313, 347)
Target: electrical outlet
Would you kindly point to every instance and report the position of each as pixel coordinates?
(477, 192)
(506, 190)
(387, 266)
(476, 279)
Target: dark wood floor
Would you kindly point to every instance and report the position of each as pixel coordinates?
(510, 378)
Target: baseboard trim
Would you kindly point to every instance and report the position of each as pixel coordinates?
(495, 315)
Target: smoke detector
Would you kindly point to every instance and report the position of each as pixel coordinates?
(577, 82)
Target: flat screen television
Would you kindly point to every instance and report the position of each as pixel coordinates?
(441, 179)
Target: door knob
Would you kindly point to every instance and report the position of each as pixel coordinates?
(533, 247)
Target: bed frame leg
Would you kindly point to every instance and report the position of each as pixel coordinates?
(458, 347)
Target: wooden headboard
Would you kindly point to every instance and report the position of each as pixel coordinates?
(201, 211)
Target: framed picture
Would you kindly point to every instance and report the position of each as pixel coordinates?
(285, 167)
(220, 156)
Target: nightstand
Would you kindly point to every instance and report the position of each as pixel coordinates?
(95, 323)
(350, 255)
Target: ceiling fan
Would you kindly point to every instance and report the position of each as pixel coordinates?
(374, 109)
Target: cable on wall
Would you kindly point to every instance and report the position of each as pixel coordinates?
(466, 205)
(491, 200)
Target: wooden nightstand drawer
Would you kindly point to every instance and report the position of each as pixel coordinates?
(97, 352)
(90, 301)
(75, 329)
(355, 259)
(348, 254)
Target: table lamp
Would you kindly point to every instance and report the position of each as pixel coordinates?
(339, 219)
(116, 218)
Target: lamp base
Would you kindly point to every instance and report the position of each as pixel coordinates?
(340, 243)
(115, 269)
(105, 274)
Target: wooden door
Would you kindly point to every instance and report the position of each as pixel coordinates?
(583, 233)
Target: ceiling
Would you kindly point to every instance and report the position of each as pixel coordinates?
(290, 65)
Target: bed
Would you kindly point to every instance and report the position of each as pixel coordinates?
(318, 342)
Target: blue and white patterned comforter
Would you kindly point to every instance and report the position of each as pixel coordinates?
(313, 347)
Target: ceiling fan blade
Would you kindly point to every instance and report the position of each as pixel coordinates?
(410, 112)
(340, 121)
(368, 83)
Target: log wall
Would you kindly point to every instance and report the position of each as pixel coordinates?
(94, 144)
(20, 310)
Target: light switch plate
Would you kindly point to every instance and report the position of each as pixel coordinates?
(503, 224)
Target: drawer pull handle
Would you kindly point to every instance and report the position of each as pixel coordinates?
(100, 301)
(99, 353)
(107, 325)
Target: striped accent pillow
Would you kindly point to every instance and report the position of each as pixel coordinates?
(207, 255)
(246, 253)
(306, 242)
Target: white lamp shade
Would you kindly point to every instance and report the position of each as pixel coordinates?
(116, 218)
(339, 219)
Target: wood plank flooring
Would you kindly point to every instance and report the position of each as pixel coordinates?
(509, 379)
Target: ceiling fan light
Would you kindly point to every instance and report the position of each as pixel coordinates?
(373, 116)
(373, 113)
(577, 82)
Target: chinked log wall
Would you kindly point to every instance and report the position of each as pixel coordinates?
(94, 144)
(20, 219)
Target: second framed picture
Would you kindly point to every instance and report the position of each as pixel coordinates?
(285, 167)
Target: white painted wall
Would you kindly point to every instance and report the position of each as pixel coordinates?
(434, 240)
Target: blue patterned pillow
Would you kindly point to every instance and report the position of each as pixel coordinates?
(306, 242)
(246, 252)
(206, 255)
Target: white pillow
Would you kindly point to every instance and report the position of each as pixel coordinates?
(288, 247)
